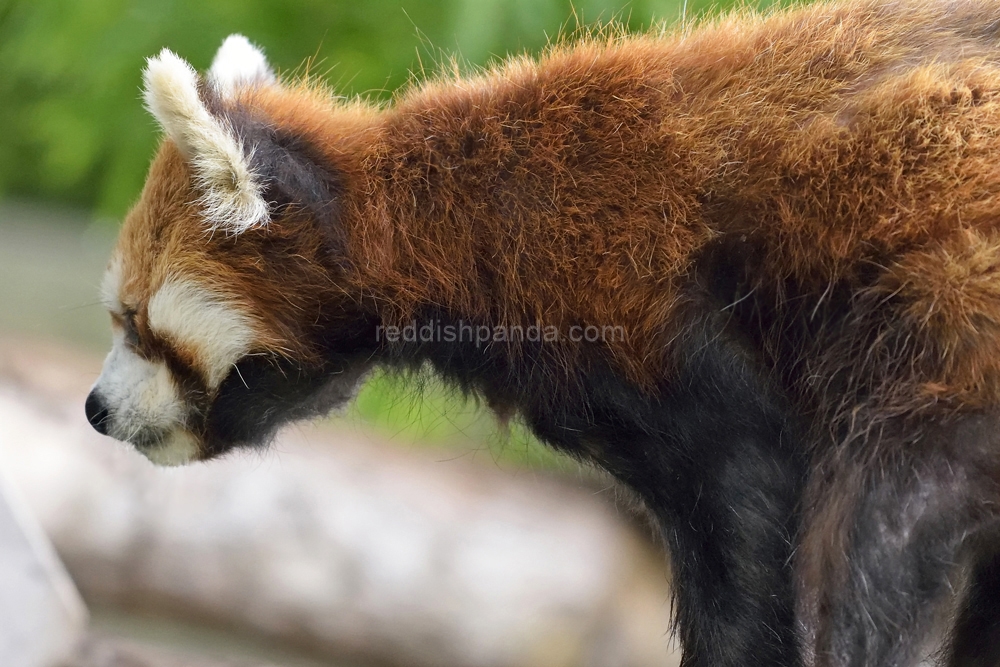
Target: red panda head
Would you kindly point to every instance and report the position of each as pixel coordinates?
(222, 288)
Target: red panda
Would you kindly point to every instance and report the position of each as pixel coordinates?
(752, 269)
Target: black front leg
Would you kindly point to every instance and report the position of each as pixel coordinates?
(730, 511)
(718, 464)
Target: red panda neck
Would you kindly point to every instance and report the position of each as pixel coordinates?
(535, 196)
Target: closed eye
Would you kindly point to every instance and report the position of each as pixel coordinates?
(131, 332)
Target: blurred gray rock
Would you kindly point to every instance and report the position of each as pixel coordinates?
(334, 542)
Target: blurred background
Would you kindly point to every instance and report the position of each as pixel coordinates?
(410, 531)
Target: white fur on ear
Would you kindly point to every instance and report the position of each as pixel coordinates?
(232, 198)
(237, 64)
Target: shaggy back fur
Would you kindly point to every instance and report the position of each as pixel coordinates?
(583, 188)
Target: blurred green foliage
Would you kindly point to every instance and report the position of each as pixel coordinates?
(74, 130)
(420, 410)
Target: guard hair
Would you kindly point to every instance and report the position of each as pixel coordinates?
(231, 192)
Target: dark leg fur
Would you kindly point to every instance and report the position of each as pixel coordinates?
(714, 458)
(885, 538)
(730, 511)
(721, 474)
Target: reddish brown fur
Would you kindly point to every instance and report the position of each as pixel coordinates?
(579, 188)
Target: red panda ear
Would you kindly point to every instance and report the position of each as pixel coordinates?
(296, 178)
(239, 64)
(231, 191)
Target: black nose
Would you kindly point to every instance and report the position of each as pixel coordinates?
(97, 414)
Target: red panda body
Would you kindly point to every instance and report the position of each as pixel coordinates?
(752, 270)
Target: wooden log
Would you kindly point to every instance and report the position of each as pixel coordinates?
(41, 614)
(98, 651)
(338, 543)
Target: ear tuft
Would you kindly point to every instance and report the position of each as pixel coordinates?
(232, 197)
(171, 94)
(238, 64)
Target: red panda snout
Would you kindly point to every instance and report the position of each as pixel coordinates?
(168, 359)
(137, 400)
(190, 374)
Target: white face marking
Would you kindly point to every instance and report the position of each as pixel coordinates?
(238, 64)
(143, 399)
(144, 404)
(111, 286)
(141, 395)
(232, 198)
(178, 448)
(194, 318)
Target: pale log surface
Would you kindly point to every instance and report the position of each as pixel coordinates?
(334, 542)
(41, 614)
(98, 651)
